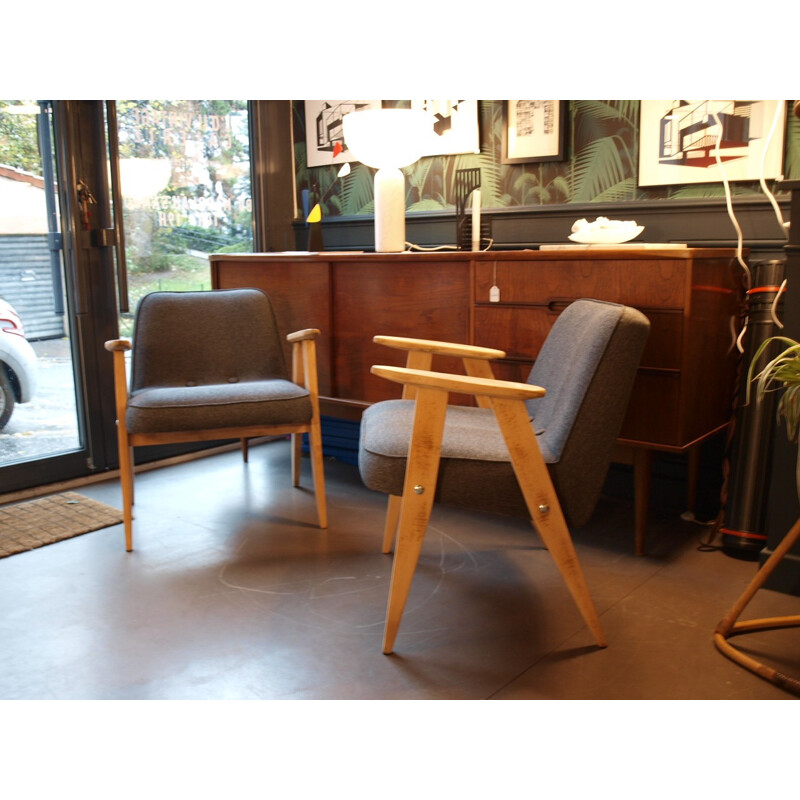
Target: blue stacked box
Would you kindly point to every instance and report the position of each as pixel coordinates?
(339, 439)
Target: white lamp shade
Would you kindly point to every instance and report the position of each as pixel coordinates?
(387, 137)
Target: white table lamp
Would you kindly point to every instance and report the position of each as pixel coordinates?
(388, 139)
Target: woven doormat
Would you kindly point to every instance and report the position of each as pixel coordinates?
(35, 523)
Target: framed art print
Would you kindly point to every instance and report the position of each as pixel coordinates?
(324, 138)
(680, 141)
(534, 130)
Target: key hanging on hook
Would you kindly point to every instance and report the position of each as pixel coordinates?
(85, 198)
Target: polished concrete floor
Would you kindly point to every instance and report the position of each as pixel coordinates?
(232, 592)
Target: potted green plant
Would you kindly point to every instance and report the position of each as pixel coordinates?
(781, 374)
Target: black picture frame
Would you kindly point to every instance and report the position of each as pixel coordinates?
(667, 157)
(533, 147)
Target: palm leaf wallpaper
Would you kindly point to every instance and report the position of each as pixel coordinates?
(601, 167)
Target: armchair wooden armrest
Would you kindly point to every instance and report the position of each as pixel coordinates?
(304, 359)
(114, 345)
(421, 353)
(439, 348)
(118, 348)
(464, 384)
(304, 335)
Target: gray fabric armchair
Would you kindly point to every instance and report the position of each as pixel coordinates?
(210, 366)
(540, 449)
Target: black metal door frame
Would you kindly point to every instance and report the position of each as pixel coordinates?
(94, 269)
(80, 172)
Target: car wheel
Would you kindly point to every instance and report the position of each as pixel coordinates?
(6, 398)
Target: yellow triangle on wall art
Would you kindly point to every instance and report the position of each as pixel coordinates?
(315, 215)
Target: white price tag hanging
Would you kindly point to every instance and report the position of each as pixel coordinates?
(494, 291)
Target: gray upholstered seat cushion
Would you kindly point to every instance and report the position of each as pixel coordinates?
(469, 433)
(229, 405)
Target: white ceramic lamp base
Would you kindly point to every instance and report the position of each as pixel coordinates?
(390, 211)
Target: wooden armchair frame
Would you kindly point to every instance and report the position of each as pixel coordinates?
(420, 356)
(304, 373)
(431, 391)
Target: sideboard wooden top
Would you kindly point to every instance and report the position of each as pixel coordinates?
(568, 254)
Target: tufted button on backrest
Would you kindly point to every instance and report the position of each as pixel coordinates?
(205, 338)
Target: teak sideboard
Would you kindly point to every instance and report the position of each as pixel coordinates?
(684, 387)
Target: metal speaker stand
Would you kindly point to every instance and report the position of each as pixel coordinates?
(743, 534)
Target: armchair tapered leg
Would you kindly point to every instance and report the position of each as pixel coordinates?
(392, 518)
(299, 366)
(118, 348)
(414, 360)
(245, 451)
(642, 470)
(419, 490)
(126, 483)
(543, 506)
(552, 527)
(304, 373)
(297, 457)
(317, 471)
(133, 472)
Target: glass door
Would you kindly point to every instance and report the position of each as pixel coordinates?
(41, 408)
(183, 178)
(184, 181)
(101, 202)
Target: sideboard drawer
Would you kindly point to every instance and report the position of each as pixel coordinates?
(654, 411)
(521, 331)
(656, 283)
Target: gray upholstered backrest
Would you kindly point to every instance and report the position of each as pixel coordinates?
(565, 366)
(201, 338)
(586, 452)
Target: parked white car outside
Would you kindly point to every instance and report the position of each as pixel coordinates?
(18, 363)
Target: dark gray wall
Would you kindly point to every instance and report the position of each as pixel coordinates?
(698, 223)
